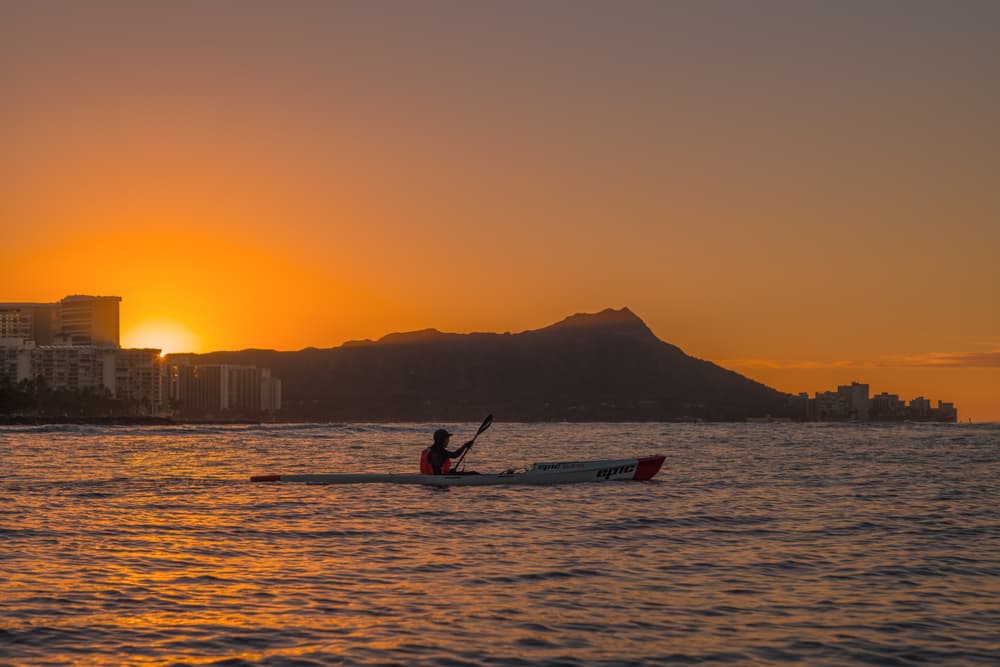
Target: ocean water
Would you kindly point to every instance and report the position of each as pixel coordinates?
(816, 544)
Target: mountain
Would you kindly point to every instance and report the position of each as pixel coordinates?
(605, 366)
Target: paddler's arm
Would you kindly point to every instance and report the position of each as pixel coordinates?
(458, 452)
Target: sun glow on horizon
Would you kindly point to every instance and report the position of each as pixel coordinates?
(167, 336)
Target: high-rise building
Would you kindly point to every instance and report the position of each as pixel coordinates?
(829, 405)
(17, 321)
(244, 388)
(919, 408)
(89, 320)
(201, 389)
(888, 406)
(132, 376)
(75, 320)
(213, 388)
(270, 391)
(36, 322)
(945, 412)
(856, 396)
(15, 360)
(73, 367)
(137, 378)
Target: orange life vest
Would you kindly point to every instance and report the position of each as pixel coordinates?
(425, 463)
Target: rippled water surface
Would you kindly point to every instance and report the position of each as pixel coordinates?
(810, 544)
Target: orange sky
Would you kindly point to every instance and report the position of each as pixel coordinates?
(807, 195)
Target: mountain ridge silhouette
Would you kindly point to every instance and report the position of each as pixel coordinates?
(605, 366)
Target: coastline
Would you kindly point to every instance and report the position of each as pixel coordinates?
(9, 420)
(37, 420)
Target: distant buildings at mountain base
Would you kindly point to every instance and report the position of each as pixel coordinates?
(853, 403)
(216, 390)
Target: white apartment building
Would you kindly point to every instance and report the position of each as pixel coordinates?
(66, 366)
(270, 391)
(131, 375)
(215, 388)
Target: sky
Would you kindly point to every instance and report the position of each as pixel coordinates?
(805, 192)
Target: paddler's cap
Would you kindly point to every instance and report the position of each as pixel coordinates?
(441, 435)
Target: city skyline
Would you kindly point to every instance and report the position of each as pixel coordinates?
(801, 193)
(63, 358)
(85, 321)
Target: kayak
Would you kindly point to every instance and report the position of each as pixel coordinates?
(565, 472)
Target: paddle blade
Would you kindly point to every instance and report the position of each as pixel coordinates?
(486, 424)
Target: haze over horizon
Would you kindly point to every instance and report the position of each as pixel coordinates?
(804, 193)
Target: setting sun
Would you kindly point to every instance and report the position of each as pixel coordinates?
(165, 335)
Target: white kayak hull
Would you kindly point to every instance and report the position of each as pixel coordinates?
(566, 472)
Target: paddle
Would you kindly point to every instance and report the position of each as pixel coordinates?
(486, 424)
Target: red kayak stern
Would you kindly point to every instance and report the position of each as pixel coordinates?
(647, 467)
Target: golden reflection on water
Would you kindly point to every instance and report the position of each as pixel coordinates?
(151, 545)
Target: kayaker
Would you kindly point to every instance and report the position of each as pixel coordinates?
(435, 460)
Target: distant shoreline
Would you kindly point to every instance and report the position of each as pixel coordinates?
(7, 420)
(22, 420)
